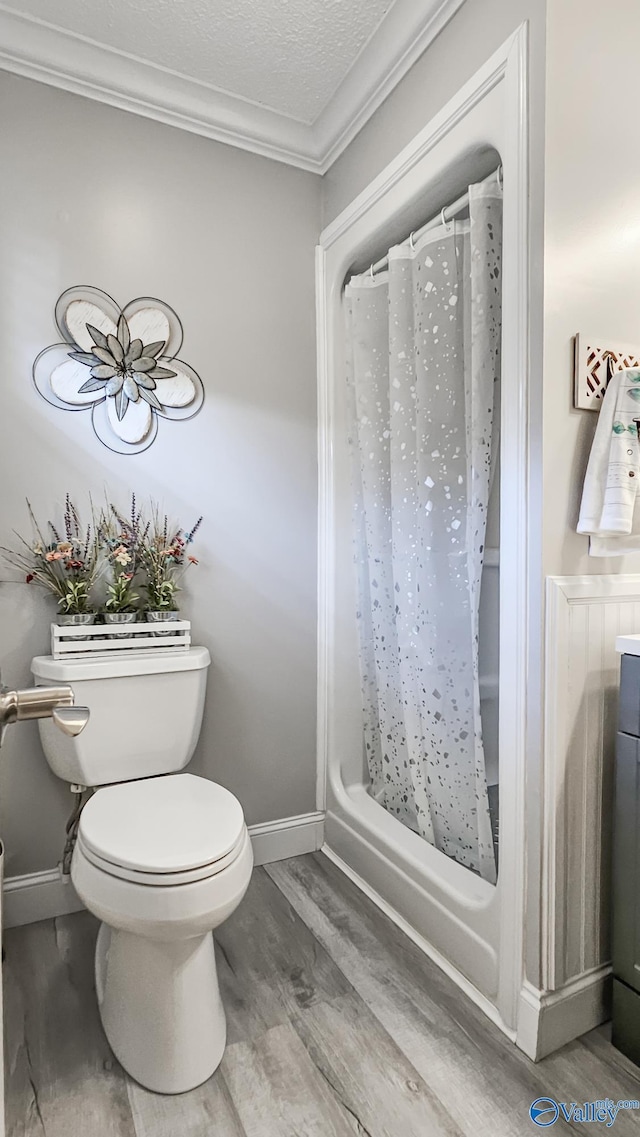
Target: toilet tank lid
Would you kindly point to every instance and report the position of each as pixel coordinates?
(110, 667)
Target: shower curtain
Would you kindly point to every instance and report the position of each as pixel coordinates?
(423, 356)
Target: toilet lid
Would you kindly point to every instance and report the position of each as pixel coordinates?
(168, 824)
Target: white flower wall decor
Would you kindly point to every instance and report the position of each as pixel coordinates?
(121, 364)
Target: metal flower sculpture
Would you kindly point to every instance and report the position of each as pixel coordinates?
(120, 363)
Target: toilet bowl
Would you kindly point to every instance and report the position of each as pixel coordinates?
(161, 858)
(160, 894)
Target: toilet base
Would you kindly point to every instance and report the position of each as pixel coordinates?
(160, 1008)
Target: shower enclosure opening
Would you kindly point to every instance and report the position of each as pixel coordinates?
(423, 336)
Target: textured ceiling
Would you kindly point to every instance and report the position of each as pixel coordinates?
(289, 55)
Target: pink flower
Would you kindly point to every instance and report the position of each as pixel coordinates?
(54, 556)
(193, 560)
(121, 556)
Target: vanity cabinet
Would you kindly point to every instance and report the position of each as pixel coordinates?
(626, 866)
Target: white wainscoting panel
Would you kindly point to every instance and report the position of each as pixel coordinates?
(584, 616)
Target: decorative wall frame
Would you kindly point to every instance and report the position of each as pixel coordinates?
(120, 363)
(595, 361)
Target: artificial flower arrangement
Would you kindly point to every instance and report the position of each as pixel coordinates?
(165, 559)
(67, 566)
(129, 549)
(121, 540)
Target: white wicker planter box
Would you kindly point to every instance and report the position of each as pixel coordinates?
(73, 641)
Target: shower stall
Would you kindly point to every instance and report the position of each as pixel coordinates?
(421, 715)
(423, 338)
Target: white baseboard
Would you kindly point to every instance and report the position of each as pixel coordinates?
(44, 895)
(548, 1020)
(289, 837)
(38, 896)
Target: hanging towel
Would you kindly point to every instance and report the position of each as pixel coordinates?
(609, 513)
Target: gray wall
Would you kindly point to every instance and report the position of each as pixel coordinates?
(94, 195)
(477, 29)
(592, 244)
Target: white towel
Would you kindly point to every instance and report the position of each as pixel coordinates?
(609, 512)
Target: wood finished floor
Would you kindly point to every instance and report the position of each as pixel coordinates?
(337, 1026)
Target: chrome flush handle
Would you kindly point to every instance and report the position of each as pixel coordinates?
(56, 703)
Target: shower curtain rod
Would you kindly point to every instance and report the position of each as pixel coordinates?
(445, 214)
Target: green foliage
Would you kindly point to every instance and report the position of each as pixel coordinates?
(120, 594)
(75, 600)
(161, 595)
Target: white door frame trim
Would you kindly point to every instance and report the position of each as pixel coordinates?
(521, 604)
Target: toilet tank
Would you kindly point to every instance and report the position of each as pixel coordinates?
(146, 714)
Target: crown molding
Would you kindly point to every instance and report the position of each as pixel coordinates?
(38, 50)
(398, 42)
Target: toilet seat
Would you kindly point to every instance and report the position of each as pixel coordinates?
(163, 831)
(161, 879)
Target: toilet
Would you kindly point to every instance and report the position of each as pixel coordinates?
(161, 857)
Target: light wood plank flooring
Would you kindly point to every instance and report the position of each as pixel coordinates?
(337, 1026)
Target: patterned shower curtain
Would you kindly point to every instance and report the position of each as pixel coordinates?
(423, 347)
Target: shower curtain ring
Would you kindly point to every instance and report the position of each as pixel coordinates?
(371, 271)
(413, 248)
(443, 218)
